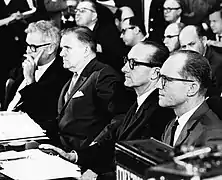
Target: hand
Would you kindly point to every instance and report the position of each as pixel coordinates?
(29, 68)
(16, 16)
(68, 156)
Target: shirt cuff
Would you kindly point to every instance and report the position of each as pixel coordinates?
(76, 155)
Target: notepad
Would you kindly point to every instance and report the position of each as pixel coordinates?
(18, 125)
(34, 164)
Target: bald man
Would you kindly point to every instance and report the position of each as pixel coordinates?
(171, 36)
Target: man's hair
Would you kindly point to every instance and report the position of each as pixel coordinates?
(48, 29)
(92, 2)
(136, 21)
(160, 55)
(197, 67)
(83, 34)
(200, 30)
(216, 8)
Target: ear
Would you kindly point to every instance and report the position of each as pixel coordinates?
(193, 89)
(51, 48)
(180, 11)
(87, 50)
(94, 16)
(154, 72)
(136, 30)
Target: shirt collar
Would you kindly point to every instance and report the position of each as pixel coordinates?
(141, 99)
(182, 120)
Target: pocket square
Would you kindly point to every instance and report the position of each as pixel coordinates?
(78, 94)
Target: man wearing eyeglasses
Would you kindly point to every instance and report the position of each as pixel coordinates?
(171, 36)
(183, 82)
(144, 119)
(34, 88)
(132, 31)
(110, 48)
(172, 11)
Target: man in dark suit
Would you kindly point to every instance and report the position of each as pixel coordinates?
(34, 88)
(143, 120)
(192, 37)
(151, 13)
(183, 82)
(92, 97)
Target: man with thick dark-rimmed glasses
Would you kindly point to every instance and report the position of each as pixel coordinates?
(34, 87)
(183, 82)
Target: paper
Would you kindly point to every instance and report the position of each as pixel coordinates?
(18, 125)
(38, 166)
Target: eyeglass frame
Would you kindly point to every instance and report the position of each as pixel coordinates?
(169, 9)
(34, 47)
(171, 36)
(165, 79)
(123, 31)
(133, 63)
(83, 10)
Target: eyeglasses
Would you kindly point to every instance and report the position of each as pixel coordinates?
(123, 31)
(168, 9)
(165, 79)
(35, 47)
(132, 63)
(83, 10)
(171, 36)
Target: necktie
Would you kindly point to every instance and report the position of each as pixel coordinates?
(71, 85)
(173, 130)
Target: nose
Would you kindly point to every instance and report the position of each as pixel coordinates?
(61, 53)
(165, 40)
(121, 35)
(125, 68)
(159, 84)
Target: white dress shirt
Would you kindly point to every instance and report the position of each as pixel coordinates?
(142, 98)
(182, 120)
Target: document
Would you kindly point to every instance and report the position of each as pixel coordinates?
(18, 125)
(33, 164)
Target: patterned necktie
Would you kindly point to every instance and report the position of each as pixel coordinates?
(173, 130)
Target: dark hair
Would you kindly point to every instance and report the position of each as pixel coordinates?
(196, 66)
(92, 2)
(216, 8)
(118, 14)
(84, 35)
(137, 21)
(160, 55)
(200, 30)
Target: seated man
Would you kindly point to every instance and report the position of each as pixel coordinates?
(34, 88)
(143, 120)
(183, 82)
(110, 48)
(171, 36)
(132, 31)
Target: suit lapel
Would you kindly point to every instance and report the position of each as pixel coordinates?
(133, 122)
(76, 87)
(191, 124)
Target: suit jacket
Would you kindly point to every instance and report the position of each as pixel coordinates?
(40, 99)
(215, 60)
(156, 22)
(107, 36)
(150, 120)
(203, 128)
(91, 105)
